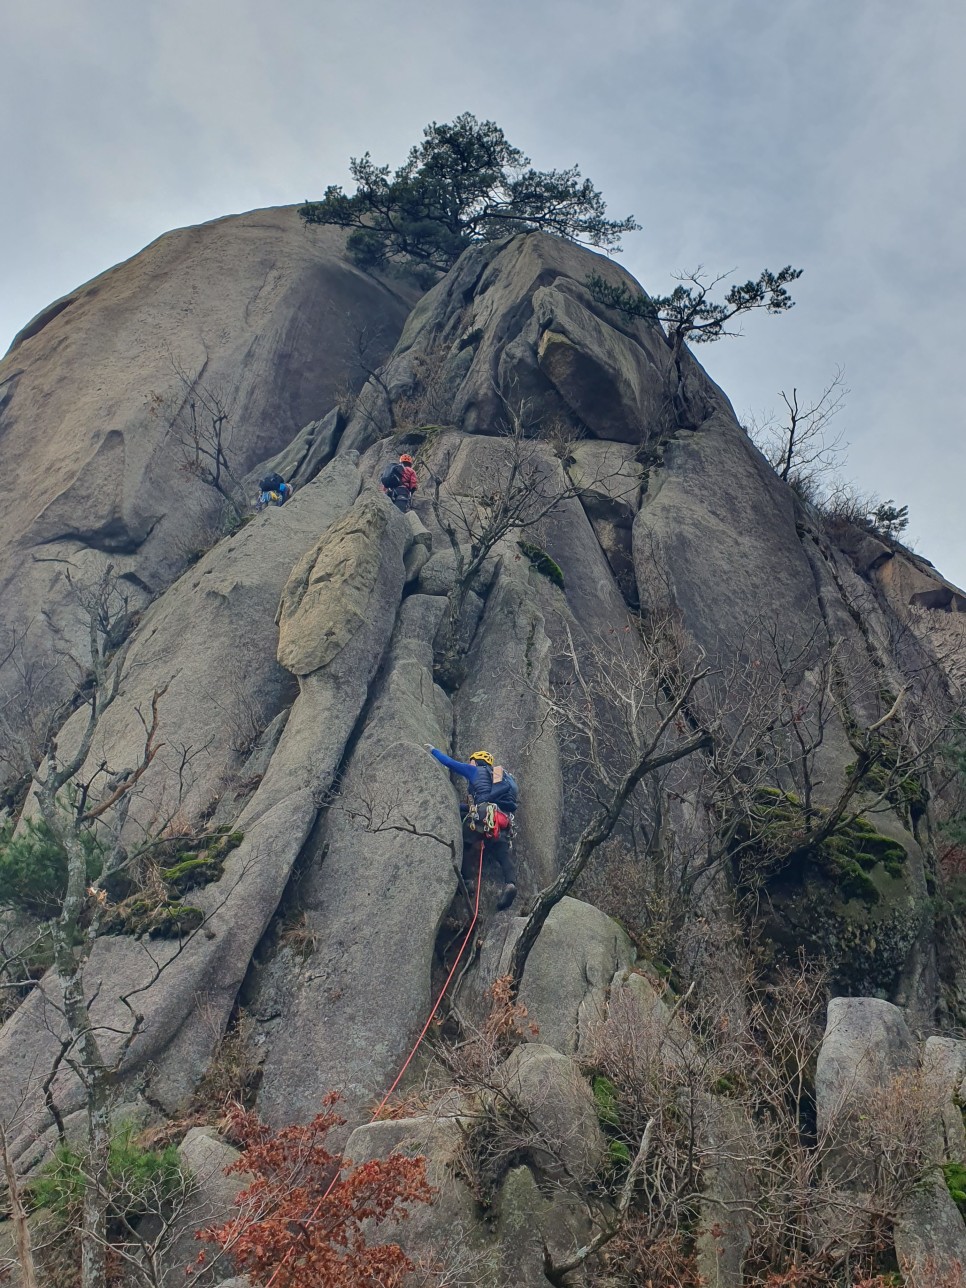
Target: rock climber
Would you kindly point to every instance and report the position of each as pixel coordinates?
(399, 482)
(272, 490)
(489, 811)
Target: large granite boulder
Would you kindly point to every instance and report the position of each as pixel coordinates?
(206, 1158)
(186, 1006)
(868, 1077)
(515, 323)
(209, 647)
(379, 876)
(566, 1140)
(330, 594)
(579, 958)
(257, 309)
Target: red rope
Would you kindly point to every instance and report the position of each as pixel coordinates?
(409, 1058)
(442, 993)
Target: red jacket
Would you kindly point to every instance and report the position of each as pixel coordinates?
(409, 479)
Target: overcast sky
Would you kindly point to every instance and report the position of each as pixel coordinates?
(742, 134)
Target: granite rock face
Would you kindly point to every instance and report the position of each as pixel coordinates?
(306, 661)
(254, 310)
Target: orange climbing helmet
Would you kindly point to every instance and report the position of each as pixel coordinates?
(405, 460)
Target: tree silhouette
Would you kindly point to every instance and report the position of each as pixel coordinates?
(463, 183)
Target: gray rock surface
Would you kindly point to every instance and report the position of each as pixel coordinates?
(515, 320)
(609, 480)
(301, 459)
(380, 874)
(497, 708)
(867, 1047)
(569, 973)
(206, 1157)
(451, 1227)
(526, 1222)
(260, 309)
(330, 594)
(335, 919)
(867, 1042)
(187, 1007)
(567, 1142)
(729, 1193)
(210, 644)
(944, 1068)
(930, 1235)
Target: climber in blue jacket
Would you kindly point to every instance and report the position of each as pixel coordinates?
(489, 811)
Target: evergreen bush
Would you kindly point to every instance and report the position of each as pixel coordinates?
(33, 868)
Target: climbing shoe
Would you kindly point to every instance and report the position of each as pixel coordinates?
(507, 897)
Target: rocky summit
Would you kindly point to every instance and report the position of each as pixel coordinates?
(713, 1039)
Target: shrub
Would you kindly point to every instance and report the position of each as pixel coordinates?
(141, 1180)
(305, 1218)
(33, 868)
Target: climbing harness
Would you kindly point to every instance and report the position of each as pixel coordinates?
(409, 1058)
(492, 822)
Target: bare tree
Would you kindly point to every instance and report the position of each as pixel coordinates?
(721, 1085)
(801, 449)
(526, 488)
(626, 712)
(630, 714)
(82, 804)
(200, 416)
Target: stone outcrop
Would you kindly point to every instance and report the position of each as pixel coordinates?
(380, 873)
(179, 1033)
(580, 956)
(330, 594)
(205, 1157)
(868, 1064)
(306, 660)
(516, 321)
(257, 310)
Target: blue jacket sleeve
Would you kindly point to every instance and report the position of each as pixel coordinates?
(457, 766)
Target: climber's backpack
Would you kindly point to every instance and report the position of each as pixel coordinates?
(504, 790)
(272, 483)
(392, 475)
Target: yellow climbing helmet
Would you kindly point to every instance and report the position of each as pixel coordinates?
(483, 756)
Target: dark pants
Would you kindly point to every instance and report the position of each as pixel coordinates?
(502, 852)
(499, 851)
(402, 498)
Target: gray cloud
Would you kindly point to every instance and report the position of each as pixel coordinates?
(742, 133)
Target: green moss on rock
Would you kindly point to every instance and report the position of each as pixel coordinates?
(955, 1177)
(777, 829)
(618, 1154)
(542, 562)
(850, 900)
(859, 842)
(605, 1100)
(155, 918)
(855, 884)
(224, 845)
(195, 871)
(197, 868)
